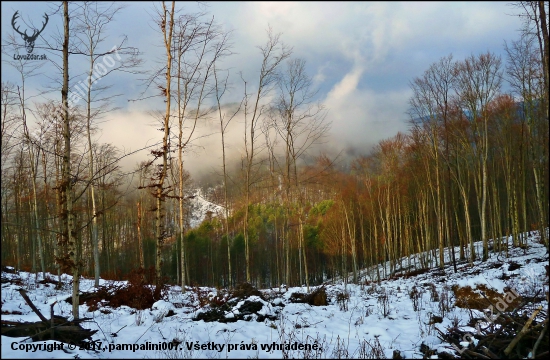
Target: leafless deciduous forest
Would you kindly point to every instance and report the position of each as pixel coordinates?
(474, 165)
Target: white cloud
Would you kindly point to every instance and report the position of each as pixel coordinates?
(361, 54)
(346, 87)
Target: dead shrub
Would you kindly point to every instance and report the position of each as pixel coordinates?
(426, 351)
(316, 298)
(222, 297)
(372, 289)
(434, 295)
(245, 290)
(416, 296)
(136, 294)
(99, 297)
(297, 297)
(374, 350)
(342, 298)
(468, 298)
(434, 319)
(384, 303)
(340, 349)
(444, 301)
(201, 295)
(139, 318)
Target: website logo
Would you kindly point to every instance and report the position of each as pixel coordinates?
(29, 39)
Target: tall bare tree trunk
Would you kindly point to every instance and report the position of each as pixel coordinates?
(167, 19)
(545, 52)
(67, 180)
(34, 169)
(17, 200)
(351, 232)
(268, 75)
(223, 127)
(484, 193)
(181, 230)
(35, 212)
(95, 240)
(140, 236)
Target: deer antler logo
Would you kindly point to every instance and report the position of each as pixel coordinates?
(29, 40)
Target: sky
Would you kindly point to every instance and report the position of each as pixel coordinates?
(361, 57)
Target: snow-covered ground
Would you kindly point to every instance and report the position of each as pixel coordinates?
(376, 320)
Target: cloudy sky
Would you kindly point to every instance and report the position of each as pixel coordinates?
(361, 56)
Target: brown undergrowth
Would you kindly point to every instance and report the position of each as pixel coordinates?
(136, 294)
(482, 297)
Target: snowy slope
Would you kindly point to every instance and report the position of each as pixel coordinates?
(378, 318)
(200, 208)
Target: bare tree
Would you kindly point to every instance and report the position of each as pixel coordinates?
(9, 120)
(300, 123)
(166, 23)
(273, 54)
(478, 82)
(27, 70)
(224, 123)
(91, 25)
(71, 259)
(8, 142)
(536, 24)
(525, 74)
(198, 46)
(144, 173)
(429, 111)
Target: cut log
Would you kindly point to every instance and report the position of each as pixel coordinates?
(34, 308)
(57, 328)
(38, 331)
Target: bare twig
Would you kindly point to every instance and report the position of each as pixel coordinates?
(541, 336)
(523, 331)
